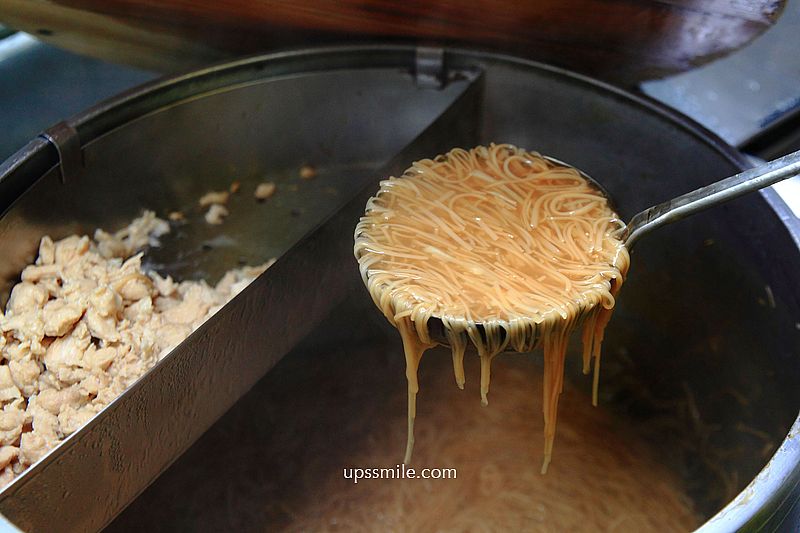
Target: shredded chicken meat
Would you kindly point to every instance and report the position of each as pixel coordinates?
(86, 321)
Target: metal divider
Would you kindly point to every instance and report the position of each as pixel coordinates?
(92, 476)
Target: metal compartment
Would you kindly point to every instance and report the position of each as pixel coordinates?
(350, 111)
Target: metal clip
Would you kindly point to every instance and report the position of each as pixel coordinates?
(68, 145)
(429, 67)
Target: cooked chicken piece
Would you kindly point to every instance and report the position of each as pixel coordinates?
(43, 422)
(140, 310)
(108, 246)
(70, 419)
(105, 302)
(44, 435)
(94, 384)
(65, 355)
(214, 197)
(8, 390)
(35, 273)
(134, 287)
(54, 401)
(143, 231)
(192, 309)
(25, 327)
(34, 445)
(47, 251)
(59, 317)
(25, 297)
(11, 422)
(216, 214)
(307, 172)
(265, 190)
(69, 249)
(7, 475)
(165, 286)
(16, 351)
(84, 324)
(25, 374)
(99, 358)
(102, 327)
(7, 454)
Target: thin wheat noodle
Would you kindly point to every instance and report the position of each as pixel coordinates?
(508, 249)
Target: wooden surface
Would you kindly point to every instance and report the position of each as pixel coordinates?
(623, 41)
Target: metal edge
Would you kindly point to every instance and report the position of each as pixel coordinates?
(333, 57)
(156, 94)
(24, 168)
(780, 479)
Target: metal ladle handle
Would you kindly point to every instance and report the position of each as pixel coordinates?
(711, 196)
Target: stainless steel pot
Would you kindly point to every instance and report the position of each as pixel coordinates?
(707, 330)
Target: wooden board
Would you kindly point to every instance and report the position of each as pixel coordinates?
(624, 41)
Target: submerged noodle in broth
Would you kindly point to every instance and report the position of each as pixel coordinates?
(606, 478)
(313, 416)
(508, 249)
